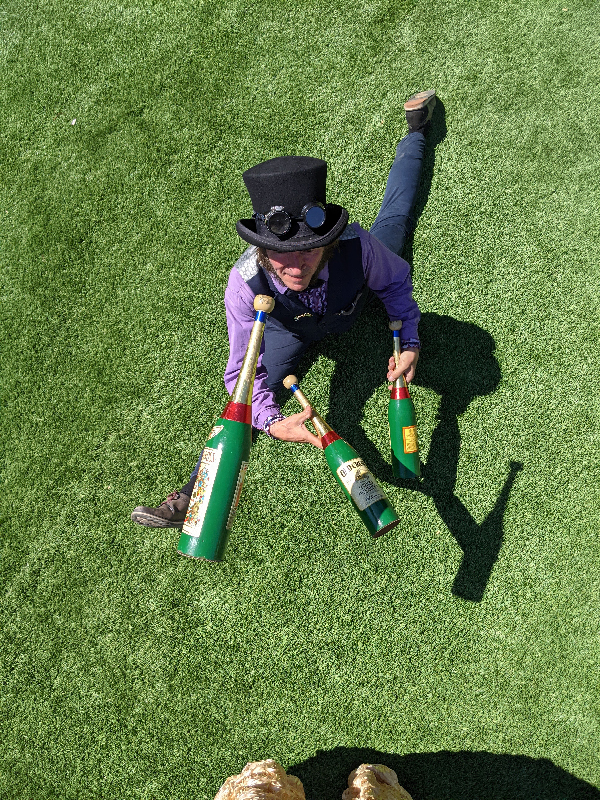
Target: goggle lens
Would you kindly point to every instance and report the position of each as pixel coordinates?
(314, 216)
(279, 223)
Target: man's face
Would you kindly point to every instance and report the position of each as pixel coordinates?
(297, 268)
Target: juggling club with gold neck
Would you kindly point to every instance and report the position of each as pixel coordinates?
(350, 471)
(225, 458)
(403, 422)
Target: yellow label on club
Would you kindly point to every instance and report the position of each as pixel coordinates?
(359, 483)
(203, 487)
(409, 434)
(236, 495)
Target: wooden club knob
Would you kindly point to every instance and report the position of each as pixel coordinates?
(262, 302)
(395, 326)
(289, 381)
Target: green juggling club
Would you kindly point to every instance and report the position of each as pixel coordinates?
(225, 458)
(350, 471)
(403, 422)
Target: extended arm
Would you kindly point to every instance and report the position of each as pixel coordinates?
(239, 309)
(240, 318)
(388, 276)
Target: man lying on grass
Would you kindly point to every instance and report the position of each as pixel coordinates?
(320, 270)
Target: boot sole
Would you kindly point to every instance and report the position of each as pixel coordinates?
(419, 100)
(154, 522)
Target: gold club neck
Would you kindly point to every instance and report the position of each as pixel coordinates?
(244, 385)
(317, 420)
(245, 382)
(399, 383)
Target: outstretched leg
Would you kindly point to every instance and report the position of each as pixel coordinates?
(391, 225)
(394, 218)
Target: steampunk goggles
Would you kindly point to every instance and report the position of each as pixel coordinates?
(279, 221)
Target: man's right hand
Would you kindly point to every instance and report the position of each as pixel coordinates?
(293, 429)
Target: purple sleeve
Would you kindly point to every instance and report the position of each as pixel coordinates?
(239, 299)
(388, 276)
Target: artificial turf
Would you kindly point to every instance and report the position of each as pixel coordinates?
(461, 648)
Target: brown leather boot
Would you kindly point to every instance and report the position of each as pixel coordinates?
(418, 110)
(169, 514)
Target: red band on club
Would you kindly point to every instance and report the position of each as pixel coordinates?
(399, 394)
(238, 412)
(330, 436)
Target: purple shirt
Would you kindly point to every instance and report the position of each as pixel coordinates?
(386, 274)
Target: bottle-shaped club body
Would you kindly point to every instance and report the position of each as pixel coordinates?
(224, 459)
(350, 471)
(403, 422)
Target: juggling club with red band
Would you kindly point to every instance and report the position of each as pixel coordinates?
(403, 422)
(225, 458)
(350, 471)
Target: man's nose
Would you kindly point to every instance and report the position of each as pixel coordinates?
(295, 260)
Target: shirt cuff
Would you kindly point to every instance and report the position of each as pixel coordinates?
(410, 344)
(269, 421)
(260, 415)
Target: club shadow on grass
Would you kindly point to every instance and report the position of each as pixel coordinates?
(457, 363)
(445, 775)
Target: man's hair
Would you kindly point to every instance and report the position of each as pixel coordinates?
(328, 251)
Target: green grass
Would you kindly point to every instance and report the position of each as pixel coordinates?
(462, 648)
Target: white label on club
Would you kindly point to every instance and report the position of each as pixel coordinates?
(236, 495)
(360, 484)
(215, 430)
(202, 491)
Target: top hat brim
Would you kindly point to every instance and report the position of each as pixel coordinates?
(300, 237)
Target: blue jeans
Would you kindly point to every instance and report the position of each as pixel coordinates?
(390, 227)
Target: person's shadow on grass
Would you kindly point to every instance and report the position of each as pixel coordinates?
(458, 363)
(462, 775)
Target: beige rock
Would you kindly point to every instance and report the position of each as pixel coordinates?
(262, 780)
(374, 782)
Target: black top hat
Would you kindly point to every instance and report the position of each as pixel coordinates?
(283, 191)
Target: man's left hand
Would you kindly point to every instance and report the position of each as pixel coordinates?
(406, 364)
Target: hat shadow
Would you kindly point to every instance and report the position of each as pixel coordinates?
(462, 775)
(458, 364)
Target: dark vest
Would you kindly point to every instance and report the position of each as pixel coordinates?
(346, 294)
